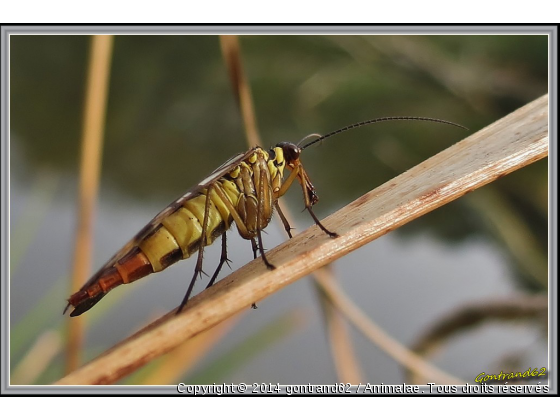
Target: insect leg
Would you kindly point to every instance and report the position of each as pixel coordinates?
(288, 182)
(202, 244)
(233, 211)
(318, 223)
(238, 221)
(259, 235)
(191, 284)
(261, 249)
(308, 189)
(284, 220)
(223, 259)
(260, 222)
(255, 248)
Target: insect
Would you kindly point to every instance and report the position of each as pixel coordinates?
(244, 190)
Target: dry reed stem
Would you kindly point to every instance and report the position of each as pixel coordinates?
(90, 167)
(511, 143)
(242, 89)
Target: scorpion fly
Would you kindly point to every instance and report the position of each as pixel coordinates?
(244, 190)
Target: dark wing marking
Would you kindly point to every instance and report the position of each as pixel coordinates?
(228, 166)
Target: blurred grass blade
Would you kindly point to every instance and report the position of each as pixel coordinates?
(29, 222)
(172, 367)
(522, 244)
(35, 321)
(512, 309)
(254, 345)
(383, 340)
(37, 359)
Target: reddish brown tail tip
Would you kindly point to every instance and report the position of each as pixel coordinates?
(85, 305)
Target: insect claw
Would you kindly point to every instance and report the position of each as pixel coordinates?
(254, 306)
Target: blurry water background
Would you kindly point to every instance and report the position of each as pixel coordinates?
(172, 119)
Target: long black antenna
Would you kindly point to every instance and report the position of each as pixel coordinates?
(376, 120)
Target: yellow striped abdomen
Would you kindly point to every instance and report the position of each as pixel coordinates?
(248, 191)
(177, 237)
(180, 233)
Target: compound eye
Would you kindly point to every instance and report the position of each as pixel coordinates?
(291, 151)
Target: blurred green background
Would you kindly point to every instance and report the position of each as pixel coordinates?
(172, 118)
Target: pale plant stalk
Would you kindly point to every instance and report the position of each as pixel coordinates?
(90, 167)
